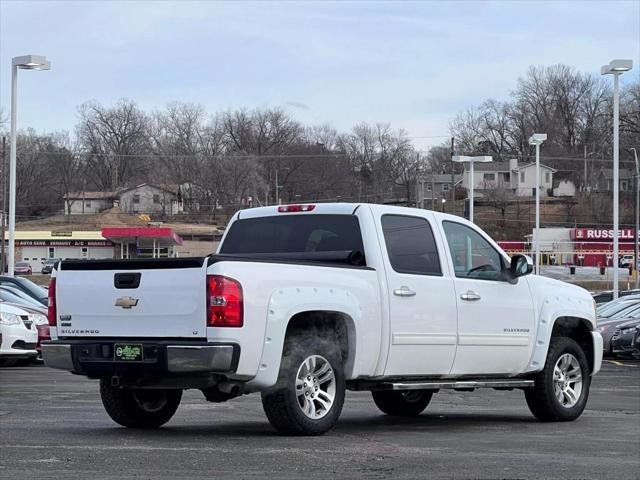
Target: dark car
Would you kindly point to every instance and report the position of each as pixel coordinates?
(28, 287)
(49, 265)
(623, 339)
(22, 268)
(636, 343)
(607, 325)
(604, 297)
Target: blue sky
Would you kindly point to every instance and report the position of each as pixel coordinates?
(413, 64)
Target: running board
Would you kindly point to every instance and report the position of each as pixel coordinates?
(443, 384)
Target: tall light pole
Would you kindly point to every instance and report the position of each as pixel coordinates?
(471, 160)
(537, 139)
(616, 68)
(637, 215)
(25, 62)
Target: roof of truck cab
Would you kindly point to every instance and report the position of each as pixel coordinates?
(327, 208)
(322, 208)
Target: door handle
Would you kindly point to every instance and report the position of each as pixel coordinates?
(470, 295)
(404, 291)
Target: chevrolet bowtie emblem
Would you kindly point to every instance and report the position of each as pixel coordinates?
(126, 302)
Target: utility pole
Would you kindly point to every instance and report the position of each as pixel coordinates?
(453, 174)
(3, 212)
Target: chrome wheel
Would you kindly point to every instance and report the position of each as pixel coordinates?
(567, 380)
(150, 400)
(315, 387)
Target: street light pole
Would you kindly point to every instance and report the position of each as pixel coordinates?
(27, 62)
(537, 139)
(637, 215)
(472, 160)
(11, 253)
(616, 68)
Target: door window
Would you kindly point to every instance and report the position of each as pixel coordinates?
(473, 256)
(410, 245)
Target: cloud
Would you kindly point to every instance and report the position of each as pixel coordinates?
(299, 105)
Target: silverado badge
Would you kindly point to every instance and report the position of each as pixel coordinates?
(126, 302)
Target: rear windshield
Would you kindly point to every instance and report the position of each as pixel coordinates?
(294, 233)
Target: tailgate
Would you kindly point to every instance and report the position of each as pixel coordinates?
(132, 298)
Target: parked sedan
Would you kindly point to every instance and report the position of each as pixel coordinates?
(607, 325)
(28, 287)
(22, 268)
(13, 295)
(49, 265)
(606, 310)
(38, 317)
(603, 297)
(622, 341)
(19, 335)
(636, 343)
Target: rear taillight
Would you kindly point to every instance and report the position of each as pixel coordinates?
(295, 208)
(224, 302)
(51, 313)
(43, 334)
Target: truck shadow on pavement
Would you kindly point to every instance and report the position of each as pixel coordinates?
(361, 425)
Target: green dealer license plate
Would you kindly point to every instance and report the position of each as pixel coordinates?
(127, 352)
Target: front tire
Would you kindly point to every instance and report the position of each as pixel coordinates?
(561, 390)
(402, 404)
(139, 408)
(309, 394)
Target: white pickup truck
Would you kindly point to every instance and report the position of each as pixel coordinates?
(302, 302)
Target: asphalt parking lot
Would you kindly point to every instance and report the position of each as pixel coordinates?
(52, 425)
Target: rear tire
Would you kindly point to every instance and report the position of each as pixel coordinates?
(139, 408)
(402, 404)
(561, 390)
(309, 394)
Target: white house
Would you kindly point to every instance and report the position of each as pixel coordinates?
(78, 203)
(143, 198)
(519, 179)
(148, 198)
(439, 185)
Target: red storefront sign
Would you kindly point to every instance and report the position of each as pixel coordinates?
(64, 243)
(600, 234)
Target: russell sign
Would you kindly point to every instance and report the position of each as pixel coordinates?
(600, 234)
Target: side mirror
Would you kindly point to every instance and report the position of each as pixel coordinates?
(520, 265)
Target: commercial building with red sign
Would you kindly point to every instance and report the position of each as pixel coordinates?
(594, 246)
(37, 246)
(589, 247)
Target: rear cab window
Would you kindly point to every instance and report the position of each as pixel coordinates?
(293, 234)
(410, 244)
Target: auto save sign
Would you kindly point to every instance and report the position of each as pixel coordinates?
(600, 234)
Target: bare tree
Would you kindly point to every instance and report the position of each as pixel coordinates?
(116, 138)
